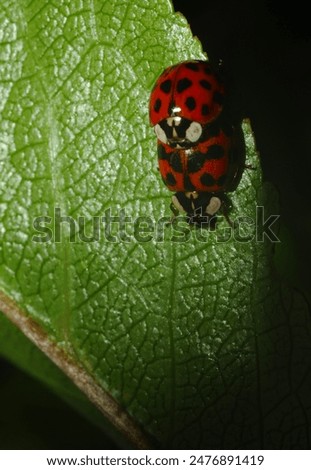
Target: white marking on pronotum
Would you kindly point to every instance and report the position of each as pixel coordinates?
(177, 204)
(213, 206)
(194, 131)
(160, 133)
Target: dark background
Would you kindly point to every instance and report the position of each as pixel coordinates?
(265, 47)
(266, 52)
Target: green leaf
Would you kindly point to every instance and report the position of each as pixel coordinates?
(16, 348)
(182, 338)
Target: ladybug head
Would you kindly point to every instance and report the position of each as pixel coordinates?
(200, 208)
(177, 131)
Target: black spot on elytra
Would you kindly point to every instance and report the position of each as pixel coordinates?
(157, 105)
(207, 180)
(218, 97)
(204, 109)
(166, 86)
(215, 152)
(190, 103)
(196, 162)
(192, 66)
(169, 179)
(183, 84)
(176, 163)
(205, 84)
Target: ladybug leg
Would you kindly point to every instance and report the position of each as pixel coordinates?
(226, 206)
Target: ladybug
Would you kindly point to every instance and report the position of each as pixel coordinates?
(185, 99)
(201, 153)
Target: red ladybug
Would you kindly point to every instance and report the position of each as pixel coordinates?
(186, 97)
(201, 153)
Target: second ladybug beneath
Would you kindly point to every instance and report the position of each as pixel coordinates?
(201, 153)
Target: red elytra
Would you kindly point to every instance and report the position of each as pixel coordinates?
(212, 166)
(202, 168)
(191, 90)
